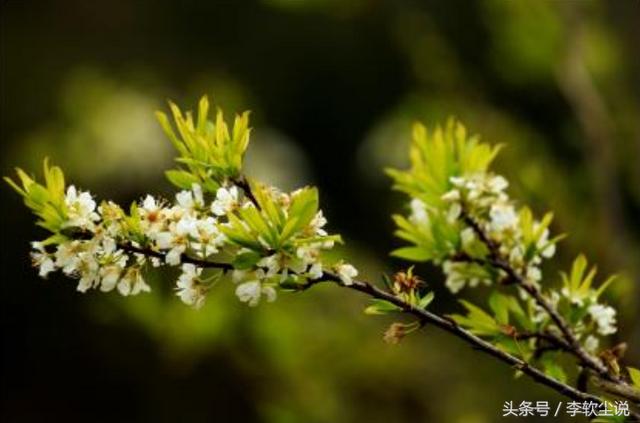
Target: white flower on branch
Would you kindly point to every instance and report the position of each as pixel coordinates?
(455, 210)
(208, 236)
(153, 216)
(315, 271)
(132, 283)
(189, 287)
(459, 274)
(226, 201)
(80, 208)
(317, 223)
(604, 317)
(451, 196)
(88, 269)
(67, 256)
(250, 292)
(467, 236)
(110, 275)
(346, 272)
(42, 260)
(419, 215)
(190, 200)
(271, 263)
(503, 217)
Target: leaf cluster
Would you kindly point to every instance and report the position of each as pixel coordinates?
(209, 153)
(46, 201)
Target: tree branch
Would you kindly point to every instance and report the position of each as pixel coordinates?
(243, 183)
(206, 264)
(516, 278)
(425, 317)
(571, 344)
(450, 326)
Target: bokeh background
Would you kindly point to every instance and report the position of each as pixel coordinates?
(333, 86)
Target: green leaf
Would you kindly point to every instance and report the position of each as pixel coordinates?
(206, 149)
(246, 260)
(605, 285)
(426, 300)
(181, 179)
(438, 154)
(416, 254)
(381, 307)
(500, 305)
(477, 320)
(634, 374)
(46, 201)
(552, 368)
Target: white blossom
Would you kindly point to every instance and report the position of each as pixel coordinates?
(271, 263)
(80, 208)
(174, 255)
(42, 260)
(346, 272)
(604, 317)
(455, 279)
(153, 216)
(190, 200)
(533, 274)
(317, 223)
(591, 344)
(226, 200)
(315, 271)
(189, 288)
(454, 212)
(451, 196)
(250, 292)
(110, 275)
(503, 216)
(132, 283)
(67, 256)
(497, 184)
(419, 214)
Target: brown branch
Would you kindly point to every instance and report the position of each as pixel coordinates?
(448, 325)
(555, 343)
(146, 251)
(424, 317)
(243, 183)
(206, 264)
(514, 277)
(444, 322)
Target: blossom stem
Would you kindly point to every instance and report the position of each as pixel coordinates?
(243, 183)
(206, 264)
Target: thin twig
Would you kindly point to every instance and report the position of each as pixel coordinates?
(206, 264)
(244, 184)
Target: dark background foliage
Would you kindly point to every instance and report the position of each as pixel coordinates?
(333, 87)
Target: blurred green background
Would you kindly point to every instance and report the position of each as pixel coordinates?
(333, 86)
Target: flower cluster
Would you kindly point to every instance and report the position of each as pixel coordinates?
(521, 241)
(478, 206)
(95, 259)
(274, 242)
(462, 219)
(219, 223)
(115, 247)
